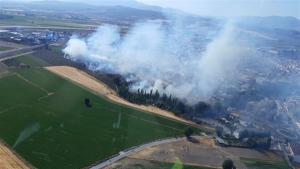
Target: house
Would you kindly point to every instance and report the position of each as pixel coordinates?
(233, 116)
(221, 141)
(295, 147)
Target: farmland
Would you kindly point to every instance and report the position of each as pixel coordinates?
(4, 48)
(35, 21)
(44, 119)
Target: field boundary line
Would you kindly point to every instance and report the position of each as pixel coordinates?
(32, 84)
(16, 56)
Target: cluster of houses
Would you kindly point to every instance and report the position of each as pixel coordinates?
(36, 37)
(233, 132)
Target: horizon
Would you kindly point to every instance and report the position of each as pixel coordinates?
(231, 8)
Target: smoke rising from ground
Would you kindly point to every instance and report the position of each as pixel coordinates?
(172, 59)
(26, 133)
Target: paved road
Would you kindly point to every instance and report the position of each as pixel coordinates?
(88, 27)
(133, 150)
(4, 55)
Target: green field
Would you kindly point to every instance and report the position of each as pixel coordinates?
(4, 48)
(260, 164)
(36, 21)
(43, 118)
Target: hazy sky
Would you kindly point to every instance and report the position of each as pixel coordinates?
(233, 7)
(224, 7)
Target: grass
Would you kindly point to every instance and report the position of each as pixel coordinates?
(4, 48)
(260, 164)
(43, 117)
(161, 165)
(36, 21)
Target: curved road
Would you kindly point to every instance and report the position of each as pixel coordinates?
(4, 55)
(131, 151)
(88, 27)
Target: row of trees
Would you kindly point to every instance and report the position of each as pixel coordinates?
(163, 101)
(53, 56)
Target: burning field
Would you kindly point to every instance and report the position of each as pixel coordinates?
(201, 70)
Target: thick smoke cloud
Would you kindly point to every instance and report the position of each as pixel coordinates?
(174, 59)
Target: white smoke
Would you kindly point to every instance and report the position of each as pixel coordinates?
(172, 59)
(75, 47)
(26, 133)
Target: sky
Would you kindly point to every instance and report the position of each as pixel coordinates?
(232, 8)
(227, 8)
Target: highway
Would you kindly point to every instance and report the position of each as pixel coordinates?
(131, 151)
(88, 27)
(9, 54)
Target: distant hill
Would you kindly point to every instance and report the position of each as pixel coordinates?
(127, 3)
(113, 12)
(271, 22)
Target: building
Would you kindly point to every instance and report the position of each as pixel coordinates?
(295, 148)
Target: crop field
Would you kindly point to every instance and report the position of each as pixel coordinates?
(35, 21)
(43, 117)
(4, 48)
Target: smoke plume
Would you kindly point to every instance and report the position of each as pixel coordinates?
(172, 58)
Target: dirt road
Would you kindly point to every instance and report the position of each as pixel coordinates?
(205, 153)
(98, 87)
(134, 150)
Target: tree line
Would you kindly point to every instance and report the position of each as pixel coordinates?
(163, 101)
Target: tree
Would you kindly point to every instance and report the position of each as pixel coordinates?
(156, 94)
(189, 132)
(181, 107)
(269, 143)
(228, 164)
(87, 102)
(243, 134)
(201, 107)
(219, 131)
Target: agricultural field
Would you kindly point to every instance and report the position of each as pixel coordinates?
(35, 21)
(4, 48)
(44, 118)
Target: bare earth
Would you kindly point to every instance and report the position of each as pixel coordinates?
(98, 87)
(8, 160)
(204, 153)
